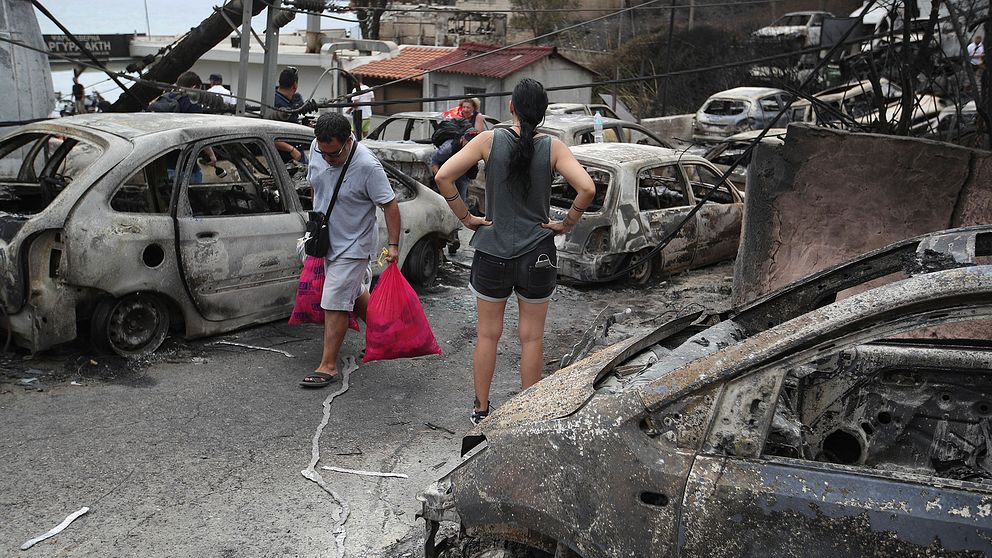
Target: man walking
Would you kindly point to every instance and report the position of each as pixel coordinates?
(353, 231)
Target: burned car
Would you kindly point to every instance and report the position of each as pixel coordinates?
(113, 222)
(802, 424)
(579, 129)
(417, 127)
(726, 153)
(739, 110)
(404, 140)
(642, 193)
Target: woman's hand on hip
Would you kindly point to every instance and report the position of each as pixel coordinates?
(558, 226)
(473, 222)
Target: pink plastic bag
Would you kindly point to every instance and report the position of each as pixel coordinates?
(397, 326)
(307, 309)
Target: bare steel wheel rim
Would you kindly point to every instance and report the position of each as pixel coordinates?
(137, 324)
(641, 270)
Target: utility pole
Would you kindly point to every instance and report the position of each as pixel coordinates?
(268, 95)
(246, 13)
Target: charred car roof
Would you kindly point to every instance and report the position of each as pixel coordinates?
(133, 125)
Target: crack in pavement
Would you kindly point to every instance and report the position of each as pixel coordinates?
(310, 473)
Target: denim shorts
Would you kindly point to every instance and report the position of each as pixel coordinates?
(532, 275)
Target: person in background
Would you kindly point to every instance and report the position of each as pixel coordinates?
(287, 97)
(352, 228)
(362, 94)
(183, 101)
(217, 86)
(447, 150)
(515, 247)
(81, 102)
(470, 111)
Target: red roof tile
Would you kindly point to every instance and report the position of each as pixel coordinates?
(404, 65)
(498, 65)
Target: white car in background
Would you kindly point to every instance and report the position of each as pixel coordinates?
(804, 27)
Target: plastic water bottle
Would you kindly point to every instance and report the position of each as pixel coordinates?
(597, 127)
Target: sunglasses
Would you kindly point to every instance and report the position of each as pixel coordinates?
(334, 155)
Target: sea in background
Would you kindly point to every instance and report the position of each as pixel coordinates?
(164, 17)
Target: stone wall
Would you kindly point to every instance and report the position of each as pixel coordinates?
(828, 195)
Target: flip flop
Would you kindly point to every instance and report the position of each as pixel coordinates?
(319, 379)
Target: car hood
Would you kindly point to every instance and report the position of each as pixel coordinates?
(559, 395)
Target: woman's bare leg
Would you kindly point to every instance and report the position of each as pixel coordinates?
(531, 331)
(488, 331)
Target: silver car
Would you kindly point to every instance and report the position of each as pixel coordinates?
(642, 192)
(738, 110)
(112, 221)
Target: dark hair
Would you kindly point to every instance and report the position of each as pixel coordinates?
(529, 103)
(190, 80)
(77, 90)
(332, 125)
(288, 77)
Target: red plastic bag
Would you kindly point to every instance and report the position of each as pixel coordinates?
(396, 326)
(307, 309)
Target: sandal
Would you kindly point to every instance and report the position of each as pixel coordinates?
(477, 415)
(319, 380)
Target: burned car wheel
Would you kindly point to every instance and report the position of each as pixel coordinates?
(134, 325)
(641, 274)
(423, 262)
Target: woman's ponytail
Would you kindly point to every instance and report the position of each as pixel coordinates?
(530, 101)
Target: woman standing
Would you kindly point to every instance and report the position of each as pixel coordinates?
(515, 249)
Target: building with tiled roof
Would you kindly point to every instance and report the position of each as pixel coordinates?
(405, 65)
(470, 71)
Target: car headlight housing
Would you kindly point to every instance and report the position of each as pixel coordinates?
(598, 241)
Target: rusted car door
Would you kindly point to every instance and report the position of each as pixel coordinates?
(719, 219)
(237, 231)
(662, 202)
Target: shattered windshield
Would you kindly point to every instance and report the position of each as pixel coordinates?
(725, 107)
(562, 193)
(35, 168)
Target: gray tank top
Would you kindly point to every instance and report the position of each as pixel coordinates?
(516, 217)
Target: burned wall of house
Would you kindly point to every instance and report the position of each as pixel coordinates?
(829, 195)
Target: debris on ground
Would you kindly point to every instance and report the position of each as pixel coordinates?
(57, 529)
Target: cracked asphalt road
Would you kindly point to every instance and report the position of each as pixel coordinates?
(197, 450)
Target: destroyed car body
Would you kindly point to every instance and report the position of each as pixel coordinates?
(738, 110)
(958, 125)
(580, 108)
(855, 103)
(579, 129)
(798, 425)
(803, 27)
(96, 228)
(725, 153)
(413, 126)
(404, 139)
(642, 193)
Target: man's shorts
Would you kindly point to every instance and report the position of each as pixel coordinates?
(532, 275)
(344, 281)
